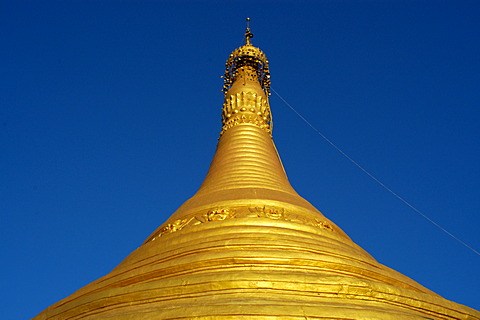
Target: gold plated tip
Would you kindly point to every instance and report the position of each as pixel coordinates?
(246, 87)
(247, 55)
(248, 34)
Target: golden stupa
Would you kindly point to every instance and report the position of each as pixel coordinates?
(247, 246)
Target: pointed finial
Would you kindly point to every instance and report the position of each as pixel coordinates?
(248, 34)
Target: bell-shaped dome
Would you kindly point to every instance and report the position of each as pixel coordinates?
(247, 246)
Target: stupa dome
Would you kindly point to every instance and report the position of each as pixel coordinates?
(248, 246)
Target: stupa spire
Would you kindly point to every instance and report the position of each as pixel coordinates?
(248, 34)
(247, 87)
(246, 166)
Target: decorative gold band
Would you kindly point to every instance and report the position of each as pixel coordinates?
(246, 107)
(225, 213)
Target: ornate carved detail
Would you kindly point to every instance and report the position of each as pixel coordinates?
(247, 56)
(221, 214)
(247, 63)
(252, 119)
(269, 212)
(172, 227)
(322, 224)
(215, 215)
(246, 107)
(176, 225)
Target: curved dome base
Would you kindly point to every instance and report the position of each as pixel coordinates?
(254, 268)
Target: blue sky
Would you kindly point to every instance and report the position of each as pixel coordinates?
(110, 113)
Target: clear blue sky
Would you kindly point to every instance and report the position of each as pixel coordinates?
(110, 113)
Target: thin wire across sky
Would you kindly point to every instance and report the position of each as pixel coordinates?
(373, 177)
